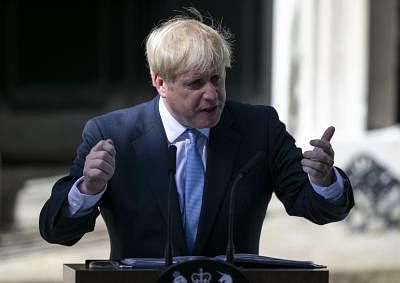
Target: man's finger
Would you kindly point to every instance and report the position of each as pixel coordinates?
(328, 134)
(319, 156)
(315, 165)
(101, 155)
(98, 146)
(106, 145)
(322, 145)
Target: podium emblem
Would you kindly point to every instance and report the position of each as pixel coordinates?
(202, 270)
(201, 277)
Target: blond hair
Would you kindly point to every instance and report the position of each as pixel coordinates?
(183, 44)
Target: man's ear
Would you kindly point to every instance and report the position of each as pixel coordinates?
(160, 84)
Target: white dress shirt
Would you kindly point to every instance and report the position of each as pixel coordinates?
(81, 204)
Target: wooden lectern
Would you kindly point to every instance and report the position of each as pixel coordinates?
(78, 273)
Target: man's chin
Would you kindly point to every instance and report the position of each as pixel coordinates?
(212, 119)
(208, 123)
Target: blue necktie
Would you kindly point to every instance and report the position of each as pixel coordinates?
(194, 184)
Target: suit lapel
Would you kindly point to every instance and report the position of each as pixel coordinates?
(221, 153)
(151, 149)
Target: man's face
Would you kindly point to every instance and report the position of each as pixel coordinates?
(195, 99)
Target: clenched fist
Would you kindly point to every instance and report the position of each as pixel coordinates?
(99, 167)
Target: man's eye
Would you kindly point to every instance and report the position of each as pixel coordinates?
(195, 83)
(215, 79)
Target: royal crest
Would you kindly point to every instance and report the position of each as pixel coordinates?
(201, 277)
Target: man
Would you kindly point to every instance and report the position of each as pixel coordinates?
(121, 166)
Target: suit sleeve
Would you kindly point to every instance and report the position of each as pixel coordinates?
(54, 226)
(291, 183)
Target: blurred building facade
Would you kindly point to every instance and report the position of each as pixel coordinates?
(336, 63)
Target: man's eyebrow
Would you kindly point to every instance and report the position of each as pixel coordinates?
(193, 76)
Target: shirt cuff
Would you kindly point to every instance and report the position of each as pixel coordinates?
(81, 204)
(334, 192)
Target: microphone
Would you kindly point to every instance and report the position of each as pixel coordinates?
(243, 173)
(171, 159)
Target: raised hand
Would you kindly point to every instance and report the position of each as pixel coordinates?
(99, 167)
(318, 163)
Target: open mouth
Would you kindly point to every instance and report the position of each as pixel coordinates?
(210, 109)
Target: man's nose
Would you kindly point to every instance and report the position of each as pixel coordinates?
(210, 92)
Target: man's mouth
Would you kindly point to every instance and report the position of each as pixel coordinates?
(210, 109)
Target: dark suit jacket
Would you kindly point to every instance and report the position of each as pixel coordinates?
(134, 205)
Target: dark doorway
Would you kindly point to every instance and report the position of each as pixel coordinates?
(59, 52)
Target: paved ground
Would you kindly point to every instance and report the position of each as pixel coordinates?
(25, 257)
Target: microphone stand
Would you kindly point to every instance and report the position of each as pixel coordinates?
(244, 172)
(230, 248)
(168, 251)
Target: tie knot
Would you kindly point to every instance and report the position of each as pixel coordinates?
(193, 135)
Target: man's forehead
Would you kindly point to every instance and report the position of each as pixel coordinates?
(199, 73)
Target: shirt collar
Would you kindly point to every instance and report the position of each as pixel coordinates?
(173, 129)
